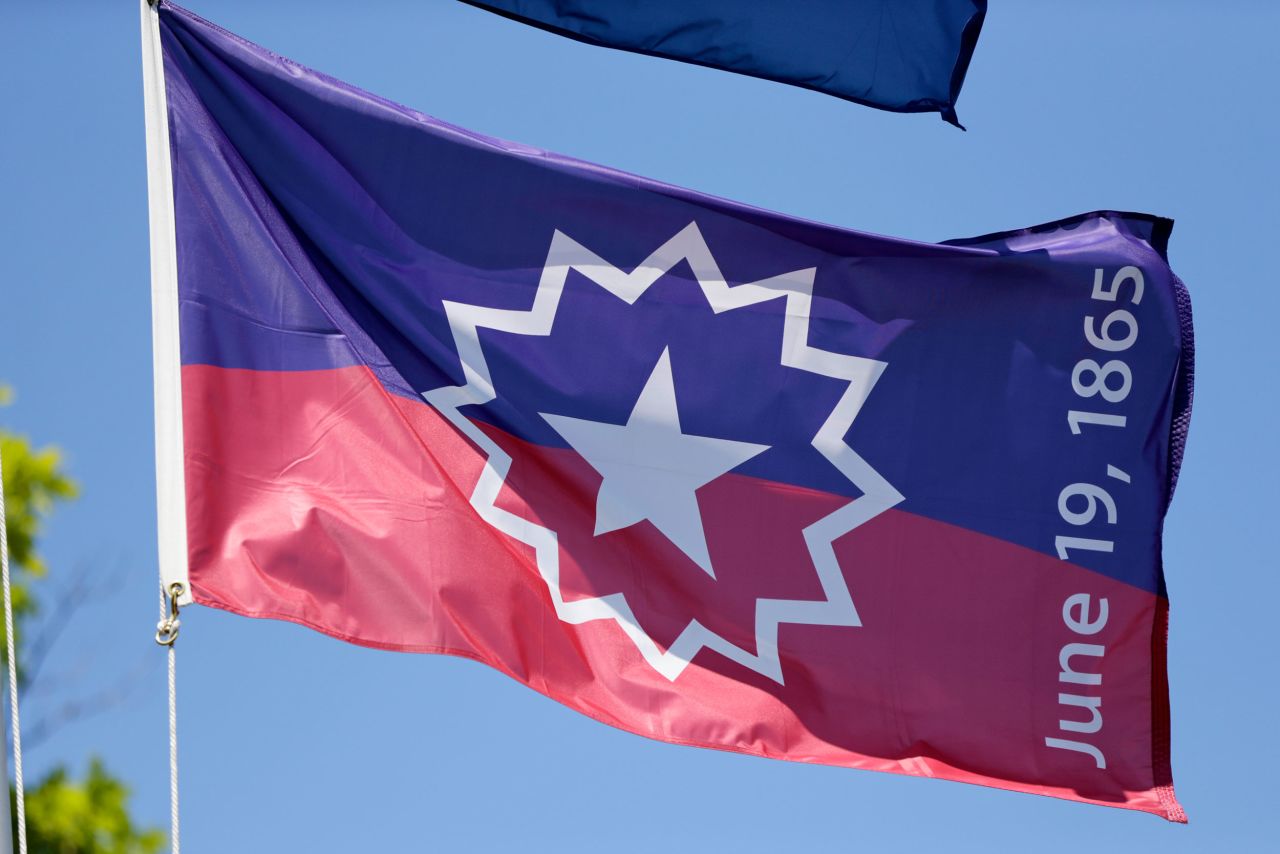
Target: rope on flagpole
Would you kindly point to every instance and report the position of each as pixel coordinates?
(175, 845)
(13, 678)
(166, 634)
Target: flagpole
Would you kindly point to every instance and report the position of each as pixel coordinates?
(171, 522)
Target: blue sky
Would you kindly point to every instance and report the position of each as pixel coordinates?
(293, 741)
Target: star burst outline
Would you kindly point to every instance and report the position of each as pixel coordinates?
(796, 287)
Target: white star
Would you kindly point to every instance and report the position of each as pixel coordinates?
(651, 469)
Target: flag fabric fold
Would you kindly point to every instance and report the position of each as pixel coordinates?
(906, 56)
(710, 474)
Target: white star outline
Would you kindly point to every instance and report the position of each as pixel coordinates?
(566, 254)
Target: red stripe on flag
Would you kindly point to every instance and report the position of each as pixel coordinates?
(317, 497)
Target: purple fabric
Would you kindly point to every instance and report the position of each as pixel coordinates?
(319, 226)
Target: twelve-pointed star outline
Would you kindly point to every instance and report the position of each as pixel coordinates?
(626, 499)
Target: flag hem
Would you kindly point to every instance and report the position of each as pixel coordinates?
(1161, 715)
(171, 520)
(1184, 386)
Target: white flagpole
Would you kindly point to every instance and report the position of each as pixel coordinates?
(171, 517)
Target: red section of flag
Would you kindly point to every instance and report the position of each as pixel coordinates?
(319, 498)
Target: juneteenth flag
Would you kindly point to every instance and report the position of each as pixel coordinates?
(703, 472)
(908, 56)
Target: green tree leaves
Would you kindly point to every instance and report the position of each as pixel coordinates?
(89, 817)
(33, 483)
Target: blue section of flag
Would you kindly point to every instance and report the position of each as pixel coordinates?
(902, 55)
(356, 222)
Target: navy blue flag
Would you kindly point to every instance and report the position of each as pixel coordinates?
(907, 56)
